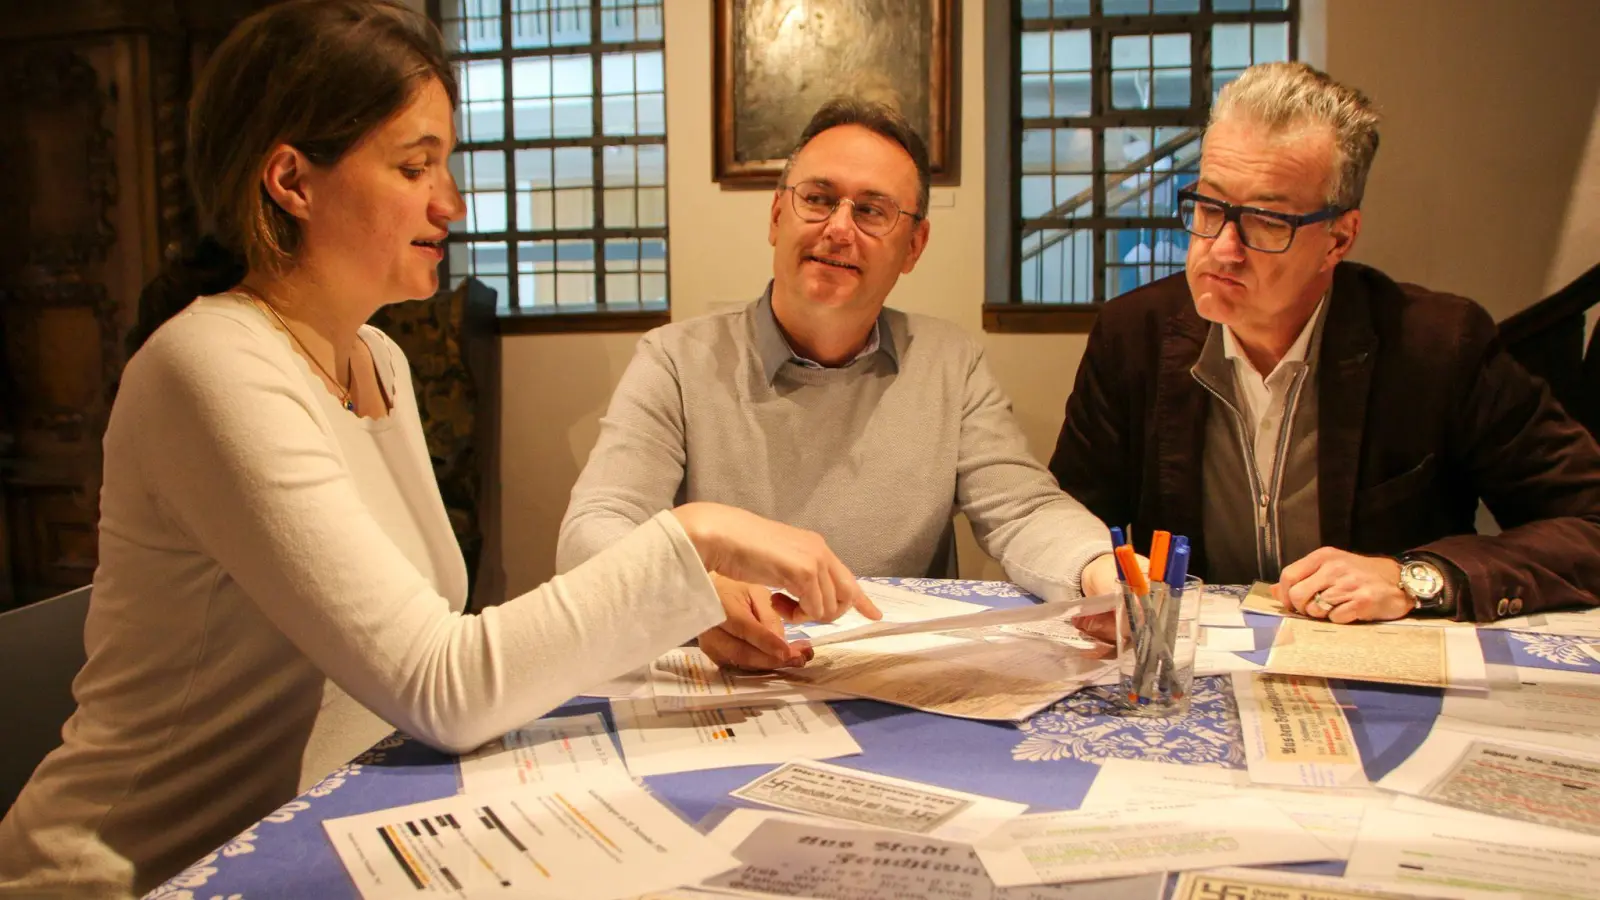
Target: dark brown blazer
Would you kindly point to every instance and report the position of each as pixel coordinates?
(1421, 413)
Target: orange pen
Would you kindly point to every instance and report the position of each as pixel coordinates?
(1130, 570)
(1159, 545)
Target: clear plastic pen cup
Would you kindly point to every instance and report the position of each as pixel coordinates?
(1156, 637)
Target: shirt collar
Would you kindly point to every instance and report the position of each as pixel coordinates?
(774, 349)
(1298, 351)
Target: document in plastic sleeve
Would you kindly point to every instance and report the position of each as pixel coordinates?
(1511, 779)
(565, 748)
(898, 605)
(1331, 815)
(1295, 732)
(1528, 698)
(865, 798)
(1265, 884)
(1037, 612)
(1452, 856)
(657, 743)
(685, 678)
(1050, 848)
(787, 856)
(1004, 681)
(1427, 657)
(585, 841)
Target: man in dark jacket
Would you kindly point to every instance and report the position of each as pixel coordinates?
(1310, 421)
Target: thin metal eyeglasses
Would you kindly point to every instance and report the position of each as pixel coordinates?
(1266, 230)
(874, 214)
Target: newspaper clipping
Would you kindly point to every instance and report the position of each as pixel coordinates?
(1296, 732)
(818, 860)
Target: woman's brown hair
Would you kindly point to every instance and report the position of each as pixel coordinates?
(318, 75)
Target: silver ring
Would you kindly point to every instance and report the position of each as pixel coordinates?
(1317, 599)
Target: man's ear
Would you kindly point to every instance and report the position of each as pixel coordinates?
(772, 220)
(919, 242)
(1345, 230)
(286, 182)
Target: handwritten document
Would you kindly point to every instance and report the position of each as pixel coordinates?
(865, 798)
(565, 748)
(970, 679)
(1428, 657)
(1295, 732)
(589, 841)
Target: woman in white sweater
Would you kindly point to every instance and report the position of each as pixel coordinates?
(278, 584)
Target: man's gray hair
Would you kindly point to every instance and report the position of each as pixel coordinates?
(879, 118)
(1289, 96)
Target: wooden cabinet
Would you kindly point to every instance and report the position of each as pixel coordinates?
(92, 199)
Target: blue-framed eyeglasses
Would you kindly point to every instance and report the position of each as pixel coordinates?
(1266, 230)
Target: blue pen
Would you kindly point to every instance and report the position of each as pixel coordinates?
(1177, 571)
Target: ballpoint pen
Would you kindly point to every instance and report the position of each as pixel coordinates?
(1177, 574)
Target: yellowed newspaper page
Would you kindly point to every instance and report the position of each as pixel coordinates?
(1295, 732)
(1374, 653)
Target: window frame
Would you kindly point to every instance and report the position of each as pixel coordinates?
(511, 316)
(1014, 315)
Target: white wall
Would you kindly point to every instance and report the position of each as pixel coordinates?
(1483, 100)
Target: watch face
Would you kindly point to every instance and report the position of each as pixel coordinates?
(1421, 580)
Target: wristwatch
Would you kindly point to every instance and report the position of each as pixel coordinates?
(1427, 585)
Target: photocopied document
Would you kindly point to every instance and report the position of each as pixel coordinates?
(1447, 857)
(1511, 779)
(1267, 884)
(1295, 732)
(1429, 657)
(898, 605)
(1528, 698)
(1331, 815)
(685, 678)
(865, 798)
(589, 841)
(570, 747)
(794, 857)
(1049, 848)
(656, 743)
(971, 679)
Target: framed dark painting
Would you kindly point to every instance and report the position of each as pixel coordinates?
(777, 61)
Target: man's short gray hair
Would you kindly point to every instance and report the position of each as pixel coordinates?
(880, 118)
(1289, 96)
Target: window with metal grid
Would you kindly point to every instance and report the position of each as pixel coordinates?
(1109, 101)
(561, 155)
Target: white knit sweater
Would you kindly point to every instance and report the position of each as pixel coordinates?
(257, 541)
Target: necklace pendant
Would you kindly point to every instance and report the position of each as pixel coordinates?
(350, 405)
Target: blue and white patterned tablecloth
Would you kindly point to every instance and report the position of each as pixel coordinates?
(1047, 762)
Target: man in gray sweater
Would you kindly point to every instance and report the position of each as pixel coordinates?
(818, 407)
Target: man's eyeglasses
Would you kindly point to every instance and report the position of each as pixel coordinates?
(874, 214)
(1259, 229)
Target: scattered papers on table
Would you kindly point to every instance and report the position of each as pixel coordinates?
(1528, 698)
(586, 841)
(898, 605)
(880, 801)
(656, 743)
(549, 750)
(1233, 640)
(685, 678)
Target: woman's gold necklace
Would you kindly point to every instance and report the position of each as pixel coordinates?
(345, 399)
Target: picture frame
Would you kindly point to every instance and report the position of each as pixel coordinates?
(777, 61)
